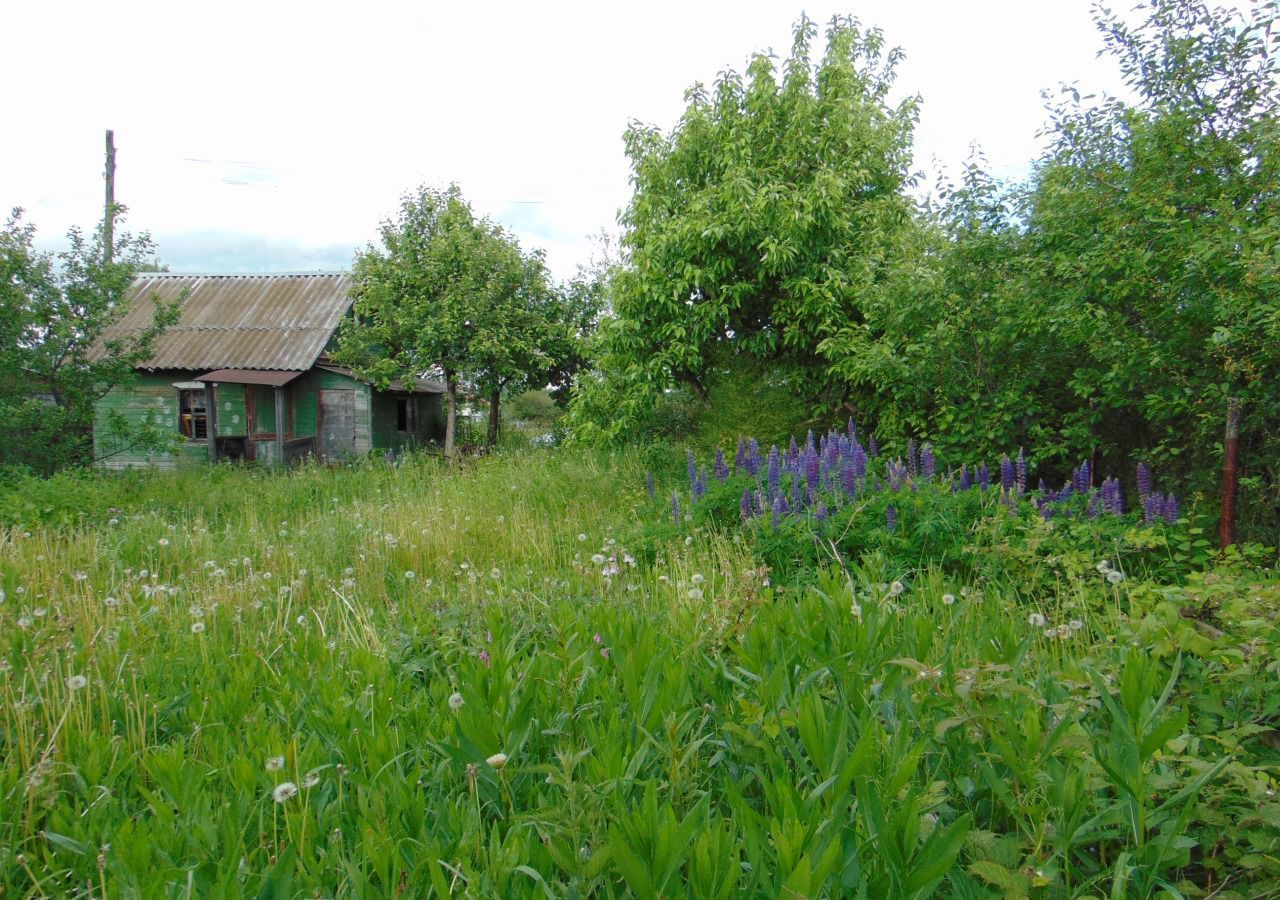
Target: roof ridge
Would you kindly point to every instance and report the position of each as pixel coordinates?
(323, 273)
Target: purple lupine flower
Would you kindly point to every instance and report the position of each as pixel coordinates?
(913, 459)
(1021, 472)
(691, 464)
(812, 468)
(675, 507)
(797, 493)
(783, 505)
(753, 458)
(721, 469)
(648, 484)
(761, 504)
(820, 512)
(853, 429)
(775, 471)
(740, 458)
(859, 457)
(1094, 509)
(775, 514)
(1152, 508)
(792, 455)
(1171, 509)
(808, 441)
(849, 478)
(1045, 508)
(1144, 482)
(891, 518)
(1113, 497)
(873, 449)
(699, 484)
(965, 482)
(928, 464)
(746, 506)
(1042, 489)
(1008, 478)
(984, 477)
(1082, 480)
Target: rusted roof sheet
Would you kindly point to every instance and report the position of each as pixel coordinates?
(421, 386)
(250, 376)
(239, 321)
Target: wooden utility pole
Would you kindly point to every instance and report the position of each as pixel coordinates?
(1230, 475)
(109, 213)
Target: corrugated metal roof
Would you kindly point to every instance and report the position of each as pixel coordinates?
(239, 321)
(421, 386)
(273, 378)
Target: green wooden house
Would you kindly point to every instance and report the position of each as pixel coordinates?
(244, 376)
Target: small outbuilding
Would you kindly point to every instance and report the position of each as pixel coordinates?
(244, 375)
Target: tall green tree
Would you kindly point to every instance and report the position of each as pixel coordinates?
(758, 227)
(53, 365)
(1154, 226)
(451, 291)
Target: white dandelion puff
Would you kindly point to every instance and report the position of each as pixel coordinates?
(897, 588)
(1035, 620)
(456, 702)
(948, 599)
(197, 627)
(498, 760)
(311, 779)
(76, 682)
(274, 763)
(1115, 576)
(285, 790)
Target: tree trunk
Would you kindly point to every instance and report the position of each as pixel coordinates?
(1230, 475)
(450, 415)
(495, 398)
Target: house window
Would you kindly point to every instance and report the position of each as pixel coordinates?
(405, 419)
(193, 418)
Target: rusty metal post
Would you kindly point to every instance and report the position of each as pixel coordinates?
(1230, 475)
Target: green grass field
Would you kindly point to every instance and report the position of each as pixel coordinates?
(522, 679)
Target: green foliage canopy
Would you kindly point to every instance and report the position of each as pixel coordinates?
(759, 226)
(53, 365)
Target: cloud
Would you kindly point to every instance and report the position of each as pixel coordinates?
(232, 251)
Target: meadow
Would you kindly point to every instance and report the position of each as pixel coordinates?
(531, 676)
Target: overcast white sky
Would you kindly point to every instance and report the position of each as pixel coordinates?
(271, 136)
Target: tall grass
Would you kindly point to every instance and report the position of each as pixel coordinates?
(413, 680)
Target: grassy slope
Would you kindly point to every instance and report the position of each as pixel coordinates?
(675, 728)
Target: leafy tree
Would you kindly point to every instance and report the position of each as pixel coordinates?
(1153, 228)
(53, 365)
(759, 226)
(449, 290)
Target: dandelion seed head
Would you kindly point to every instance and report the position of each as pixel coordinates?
(76, 682)
(948, 599)
(695, 593)
(456, 702)
(497, 761)
(311, 779)
(284, 791)
(197, 627)
(1036, 620)
(274, 763)
(1115, 576)
(897, 588)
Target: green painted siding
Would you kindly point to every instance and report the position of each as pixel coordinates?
(427, 412)
(151, 398)
(154, 395)
(232, 421)
(264, 410)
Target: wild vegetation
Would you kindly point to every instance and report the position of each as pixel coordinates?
(528, 679)
(981, 642)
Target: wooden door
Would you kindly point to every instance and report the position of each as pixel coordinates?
(337, 424)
